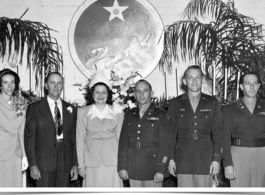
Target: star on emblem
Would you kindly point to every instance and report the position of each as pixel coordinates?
(116, 11)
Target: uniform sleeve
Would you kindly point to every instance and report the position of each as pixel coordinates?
(165, 143)
(217, 133)
(172, 113)
(123, 146)
(30, 135)
(227, 126)
(73, 136)
(80, 139)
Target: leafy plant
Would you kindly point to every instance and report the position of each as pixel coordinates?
(229, 41)
(19, 37)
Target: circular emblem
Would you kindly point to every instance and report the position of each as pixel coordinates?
(120, 36)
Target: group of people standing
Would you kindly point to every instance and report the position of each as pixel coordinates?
(146, 144)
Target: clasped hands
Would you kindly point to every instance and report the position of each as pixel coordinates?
(214, 168)
(157, 178)
(35, 173)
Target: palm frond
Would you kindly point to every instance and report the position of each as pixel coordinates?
(42, 50)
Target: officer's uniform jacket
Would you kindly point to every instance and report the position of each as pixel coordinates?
(198, 136)
(145, 144)
(240, 123)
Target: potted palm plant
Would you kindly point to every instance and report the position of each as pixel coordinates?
(226, 45)
(23, 37)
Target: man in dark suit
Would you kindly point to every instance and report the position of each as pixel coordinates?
(50, 137)
(198, 135)
(144, 145)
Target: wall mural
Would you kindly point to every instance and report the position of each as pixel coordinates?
(120, 36)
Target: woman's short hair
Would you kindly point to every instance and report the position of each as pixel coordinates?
(91, 100)
(10, 72)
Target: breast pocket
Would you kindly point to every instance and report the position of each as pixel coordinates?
(206, 119)
(182, 120)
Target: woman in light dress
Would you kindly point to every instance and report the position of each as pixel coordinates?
(98, 130)
(12, 121)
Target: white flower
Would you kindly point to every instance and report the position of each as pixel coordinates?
(70, 109)
(124, 93)
(114, 90)
(132, 105)
(129, 101)
(116, 95)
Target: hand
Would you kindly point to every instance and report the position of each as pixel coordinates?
(214, 168)
(158, 177)
(172, 167)
(73, 173)
(35, 173)
(230, 172)
(24, 163)
(82, 172)
(123, 174)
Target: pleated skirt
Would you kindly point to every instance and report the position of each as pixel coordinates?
(10, 172)
(249, 164)
(102, 176)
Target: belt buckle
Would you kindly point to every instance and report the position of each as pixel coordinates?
(238, 142)
(138, 145)
(195, 136)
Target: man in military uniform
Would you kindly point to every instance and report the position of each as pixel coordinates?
(145, 141)
(198, 133)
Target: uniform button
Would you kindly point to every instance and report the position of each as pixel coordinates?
(181, 115)
(154, 155)
(195, 124)
(128, 124)
(206, 116)
(149, 113)
(152, 125)
(134, 113)
(138, 131)
(195, 116)
(139, 125)
(138, 137)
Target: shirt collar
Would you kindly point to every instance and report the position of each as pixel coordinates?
(185, 96)
(51, 101)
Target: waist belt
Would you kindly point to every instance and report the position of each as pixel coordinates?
(59, 140)
(142, 145)
(194, 136)
(244, 142)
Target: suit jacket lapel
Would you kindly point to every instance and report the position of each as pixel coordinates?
(45, 110)
(66, 113)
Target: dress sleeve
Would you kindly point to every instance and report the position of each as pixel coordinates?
(80, 138)
(123, 146)
(120, 118)
(21, 135)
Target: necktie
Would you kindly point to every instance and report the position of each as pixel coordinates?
(57, 120)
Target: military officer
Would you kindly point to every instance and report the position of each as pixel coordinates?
(145, 141)
(198, 133)
(244, 136)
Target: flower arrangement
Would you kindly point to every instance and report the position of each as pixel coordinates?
(22, 99)
(123, 90)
